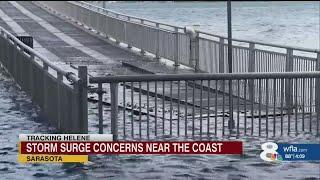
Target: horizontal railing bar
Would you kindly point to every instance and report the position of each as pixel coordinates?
(304, 58)
(262, 43)
(138, 23)
(203, 76)
(234, 46)
(130, 16)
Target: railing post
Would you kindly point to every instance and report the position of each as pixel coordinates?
(117, 40)
(221, 55)
(83, 102)
(158, 42)
(7, 50)
(18, 69)
(288, 82)
(100, 108)
(197, 52)
(14, 60)
(114, 110)
(251, 68)
(90, 22)
(194, 52)
(2, 48)
(21, 70)
(317, 86)
(176, 47)
(142, 50)
(129, 45)
(107, 25)
(45, 88)
(60, 109)
(125, 32)
(31, 78)
(231, 122)
(9, 55)
(221, 62)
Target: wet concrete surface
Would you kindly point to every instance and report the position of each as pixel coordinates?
(98, 43)
(19, 115)
(114, 54)
(116, 60)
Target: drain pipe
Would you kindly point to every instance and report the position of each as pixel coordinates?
(194, 47)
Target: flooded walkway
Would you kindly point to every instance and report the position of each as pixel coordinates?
(65, 43)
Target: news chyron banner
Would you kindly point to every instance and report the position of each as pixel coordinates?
(54, 148)
(60, 148)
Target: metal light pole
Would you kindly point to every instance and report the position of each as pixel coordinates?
(229, 37)
(231, 121)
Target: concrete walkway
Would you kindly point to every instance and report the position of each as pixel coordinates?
(63, 42)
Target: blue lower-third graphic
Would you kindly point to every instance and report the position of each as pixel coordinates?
(290, 152)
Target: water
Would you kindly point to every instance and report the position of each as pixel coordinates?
(19, 115)
(297, 23)
(285, 23)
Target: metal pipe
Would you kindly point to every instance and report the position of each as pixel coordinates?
(124, 108)
(262, 43)
(178, 104)
(203, 76)
(100, 94)
(171, 108)
(132, 111)
(83, 99)
(148, 108)
(114, 110)
(186, 110)
(229, 37)
(140, 120)
(231, 120)
(155, 108)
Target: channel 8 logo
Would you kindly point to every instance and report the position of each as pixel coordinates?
(269, 152)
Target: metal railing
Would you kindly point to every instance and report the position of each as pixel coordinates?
(160, 39)
(63, 104)
(203, 51)
(290, 94)
(172, 42)
(196, 105)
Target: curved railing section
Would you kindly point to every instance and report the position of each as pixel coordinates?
(62, 103)
(205, 52)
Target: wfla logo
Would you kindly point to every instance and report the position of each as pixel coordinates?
(269, 152)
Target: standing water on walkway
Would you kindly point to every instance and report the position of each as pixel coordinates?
(19, 115)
